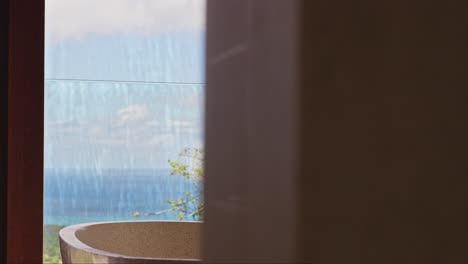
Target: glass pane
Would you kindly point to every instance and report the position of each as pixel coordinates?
(123, 99)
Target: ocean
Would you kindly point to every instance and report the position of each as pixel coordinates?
(73, 196)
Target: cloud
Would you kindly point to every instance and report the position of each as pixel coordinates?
(130, 136)
(75, 19)
(170, 123)
(132, 114)
(180, 123)
(163, 140)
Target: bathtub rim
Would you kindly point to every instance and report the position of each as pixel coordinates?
(67, 235)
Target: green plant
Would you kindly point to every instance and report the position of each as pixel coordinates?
(189, 166)
(52, 259)
(51, 251)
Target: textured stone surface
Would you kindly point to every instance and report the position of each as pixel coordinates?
(132, 242)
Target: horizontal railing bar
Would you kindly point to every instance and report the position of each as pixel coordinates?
(122, 81)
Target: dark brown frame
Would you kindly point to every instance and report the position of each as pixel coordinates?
(22, 107)
(3, 122)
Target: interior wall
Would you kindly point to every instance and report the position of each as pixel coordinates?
(251, 131)
(384, 139)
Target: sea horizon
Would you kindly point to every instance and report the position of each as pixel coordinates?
(74, 196)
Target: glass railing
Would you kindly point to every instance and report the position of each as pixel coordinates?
(107, 148)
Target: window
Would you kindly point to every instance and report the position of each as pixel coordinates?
(124, 90)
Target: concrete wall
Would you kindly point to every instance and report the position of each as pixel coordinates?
(384, 139)
(358, 155)
(251, 131)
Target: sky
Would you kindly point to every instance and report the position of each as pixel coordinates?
(75, 19)
(124, 82)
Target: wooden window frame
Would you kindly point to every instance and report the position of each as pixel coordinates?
(4, 127)
(22, 119)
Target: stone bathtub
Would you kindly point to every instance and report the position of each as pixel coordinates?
(131, 242)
